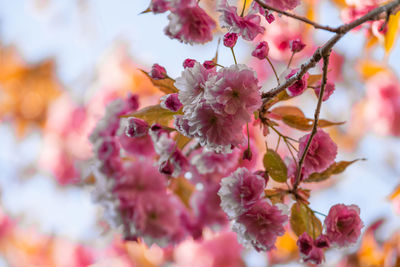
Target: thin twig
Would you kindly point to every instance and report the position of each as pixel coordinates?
(303, 19)
(316, 118)
(376, 14)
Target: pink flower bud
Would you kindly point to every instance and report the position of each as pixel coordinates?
(189, 63)
(247, 154)
(171, 102)
(329, 89)
(158, 72)
(209, 64)
(132, 103)
(261, 51)
(322, 242)
(136, 127)
(270, 18)
(159, 6)
(166, 168)
(297, 45)
(230, 39)
(299, 86)
(305, 244)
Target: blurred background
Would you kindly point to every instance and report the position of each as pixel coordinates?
(60, 62)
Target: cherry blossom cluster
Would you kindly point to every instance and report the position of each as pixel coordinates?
(168, 172)
(217, 104)
(256, 220)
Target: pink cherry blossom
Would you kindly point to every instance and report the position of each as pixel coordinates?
(239, 191)
(216, 131)
(210, 162)
(139, 178)
(260, 225)
(282, 4)
(248, 26)
(191, 85)
(343, 224)
(321, 153)
(158, 72)
(236, 90)
(157, 219)
(230, 39)
(299, 86)
(261, 51)
(171, 102)
(205, 204)
(190, 24)
(329, 89)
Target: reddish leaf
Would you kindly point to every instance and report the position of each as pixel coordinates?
(287, 110)
(305, 124)
(335, 168)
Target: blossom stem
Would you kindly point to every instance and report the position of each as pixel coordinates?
(234, 57)
(320, 213)
(244, 7)
(273, 68)
(290, 60)
(277, 145)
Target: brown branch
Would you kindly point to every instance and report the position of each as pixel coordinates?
(303, 19)
(316, 118)
(376, 14)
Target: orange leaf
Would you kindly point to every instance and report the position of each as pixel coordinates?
(392, 30)
(165, 85)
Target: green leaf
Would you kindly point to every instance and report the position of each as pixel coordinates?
(154, 114)
(165, 85)
(303, 219)
(275, 166)
(335, 168)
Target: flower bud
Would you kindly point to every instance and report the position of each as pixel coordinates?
(158, 72)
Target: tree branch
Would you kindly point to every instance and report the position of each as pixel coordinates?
(376, 14)
(303, 19)
(316, 118)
